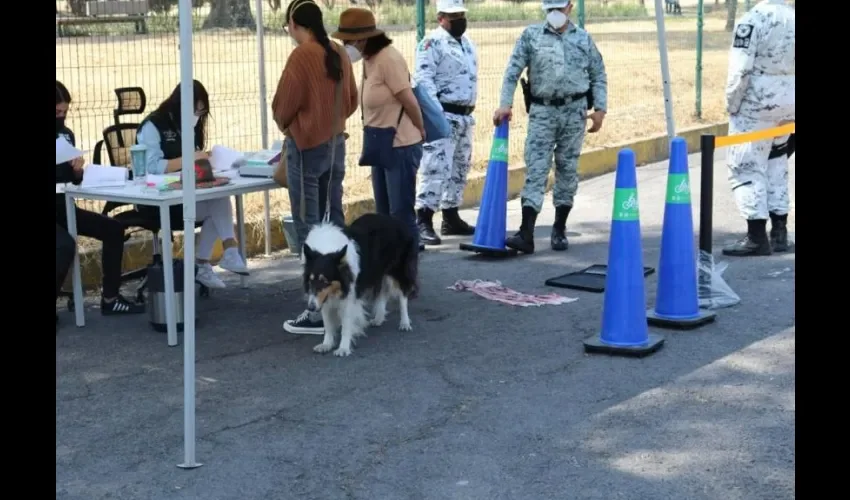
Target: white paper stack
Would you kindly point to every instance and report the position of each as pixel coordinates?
(261, 158)
(100, 176)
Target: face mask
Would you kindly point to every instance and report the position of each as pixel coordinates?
(457, 27)
(196, 120)
(60, 122)
(556, 19)
(353, 54)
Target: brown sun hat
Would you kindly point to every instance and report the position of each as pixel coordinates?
(356, 24)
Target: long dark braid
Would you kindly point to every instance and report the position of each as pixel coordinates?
(306, 13)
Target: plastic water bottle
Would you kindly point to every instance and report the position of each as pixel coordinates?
(138, 157)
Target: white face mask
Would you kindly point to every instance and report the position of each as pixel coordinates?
(353, 54)
(196, 119)
(556, 19)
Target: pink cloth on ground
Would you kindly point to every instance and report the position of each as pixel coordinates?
(493, 290)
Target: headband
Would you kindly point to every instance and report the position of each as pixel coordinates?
(305, 2)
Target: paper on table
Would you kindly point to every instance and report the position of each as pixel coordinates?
(223, 158)
(95, 176)
(65, 151)
(160, 182)
(230, 174)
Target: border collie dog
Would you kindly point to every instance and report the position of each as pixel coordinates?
(374, 258)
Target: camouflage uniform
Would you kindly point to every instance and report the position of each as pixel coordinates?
(560, 66)
(448, 69)
(759, 95)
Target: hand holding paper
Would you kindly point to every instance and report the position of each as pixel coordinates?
(223, 158)
(65, 152)
(77, 164)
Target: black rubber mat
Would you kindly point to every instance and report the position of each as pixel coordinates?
(591, 279)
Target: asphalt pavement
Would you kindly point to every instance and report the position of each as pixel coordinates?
(481, 401)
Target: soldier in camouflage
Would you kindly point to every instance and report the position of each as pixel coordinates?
(447, 67)
(760, 95)
(564, 69)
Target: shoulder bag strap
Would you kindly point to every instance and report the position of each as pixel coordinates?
(334, 125)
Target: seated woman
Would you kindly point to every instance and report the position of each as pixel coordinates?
(387, 101)
(66, 248)
(91, 224)
(160, 133)
(303, 108)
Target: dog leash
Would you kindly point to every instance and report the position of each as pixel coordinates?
(303, 205)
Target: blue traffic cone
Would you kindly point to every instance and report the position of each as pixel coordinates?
(677, 298)
(489, 238)
(624, 327)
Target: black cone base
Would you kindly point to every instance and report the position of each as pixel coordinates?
(487, 251)
(703, 318)
(594, 345)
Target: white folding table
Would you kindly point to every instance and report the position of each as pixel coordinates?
(138, 194)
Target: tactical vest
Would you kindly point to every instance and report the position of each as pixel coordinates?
(169, 134)
(67, 134)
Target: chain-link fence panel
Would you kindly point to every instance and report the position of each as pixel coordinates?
(97, 53)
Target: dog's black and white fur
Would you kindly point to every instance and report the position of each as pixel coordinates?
(375, 258)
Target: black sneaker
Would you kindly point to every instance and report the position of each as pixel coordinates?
(303, 325)
(120, 306)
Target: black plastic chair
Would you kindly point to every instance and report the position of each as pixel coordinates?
(117, 140)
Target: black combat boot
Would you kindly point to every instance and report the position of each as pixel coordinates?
(523, 240)
(558, 241)
(779, 232)
(453, 225)
(425, 221)
(754, 243)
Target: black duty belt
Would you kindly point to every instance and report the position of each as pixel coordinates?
(786, 149)
(457, 109)
(560, 101)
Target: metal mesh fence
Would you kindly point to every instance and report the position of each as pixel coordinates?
(94, 58)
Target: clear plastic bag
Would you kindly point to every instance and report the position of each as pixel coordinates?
(714, 292)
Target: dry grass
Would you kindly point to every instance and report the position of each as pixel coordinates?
(227, 64)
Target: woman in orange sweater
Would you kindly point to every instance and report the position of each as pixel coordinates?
(303, 108)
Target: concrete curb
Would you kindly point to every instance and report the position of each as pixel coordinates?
(592, 163)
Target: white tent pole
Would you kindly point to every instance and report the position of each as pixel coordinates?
(261, 63)
(665, 69)
(187, 133)
(264, 116)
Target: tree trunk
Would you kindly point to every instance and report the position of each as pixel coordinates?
(230, 14)
(730, 14)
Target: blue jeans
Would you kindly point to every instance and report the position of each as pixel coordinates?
(315, 165)
(394, 186)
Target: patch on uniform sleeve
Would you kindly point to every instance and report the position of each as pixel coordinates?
(425, 45)
(742, 36)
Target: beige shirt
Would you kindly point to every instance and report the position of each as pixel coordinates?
(386, 76)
